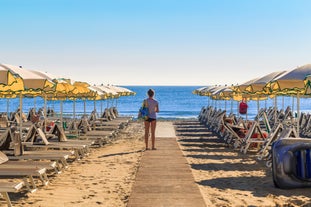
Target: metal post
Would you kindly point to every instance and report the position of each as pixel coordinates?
(84, 107)
(74, 108)
(298, 113)
(20, 115)
(44, 112)
(61, 113)
(7, 106)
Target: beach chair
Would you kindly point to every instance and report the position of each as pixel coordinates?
(26, 172)
(99, 136)
(278, 133)
(255, 135)
(38, 139)
(6, 138)
(9, 187)
(59, 156)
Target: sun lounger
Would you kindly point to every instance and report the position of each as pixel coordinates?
(9, 187)
(255, 135)
(23, 170)
(26, 174)
(39, 140)
(60, 156)
(5, 139)
(49, 165)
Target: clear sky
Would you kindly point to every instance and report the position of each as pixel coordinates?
(156, 42)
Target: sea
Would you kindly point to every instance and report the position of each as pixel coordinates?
(175, 102)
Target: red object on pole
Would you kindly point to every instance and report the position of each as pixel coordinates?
(243, 108)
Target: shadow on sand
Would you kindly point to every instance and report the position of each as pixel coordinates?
(121, 153)
(259, 186)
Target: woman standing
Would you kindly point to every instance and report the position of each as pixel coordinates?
(151, 122)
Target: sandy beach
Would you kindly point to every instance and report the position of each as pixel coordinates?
(225, 177)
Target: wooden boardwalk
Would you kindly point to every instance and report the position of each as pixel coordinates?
(164, 178)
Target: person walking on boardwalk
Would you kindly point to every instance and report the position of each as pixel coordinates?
(151, 121)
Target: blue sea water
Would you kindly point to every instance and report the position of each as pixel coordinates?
(174, 102)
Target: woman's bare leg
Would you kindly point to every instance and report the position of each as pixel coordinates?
(147, 126)
(153, 128)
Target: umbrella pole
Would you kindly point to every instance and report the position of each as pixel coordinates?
(20, 115)
(265, 104)
(61, 113)
(225, 105)
(258, 105)
(283, 102)
(231, 110)
(246, 116)
(94, 105)
(275, 108)
(298, 113)
(34, 103)
(74, 108)
(293, 101)
(7, 107)
(84, 106)
(44, 112)
(101, 107)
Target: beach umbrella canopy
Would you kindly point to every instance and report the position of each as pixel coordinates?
(199, 90)
(258, 85)
(82, 90)
(34, 84)
(292, 82)
(100, 95)
(109, 91)
(241, 87)
(62, 90)
(122, 91)
(207, 91)
(222, 93)
(10, 82)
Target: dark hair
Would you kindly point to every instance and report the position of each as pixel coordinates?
(150, 93)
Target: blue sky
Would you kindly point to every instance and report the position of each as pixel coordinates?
(163, 42)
